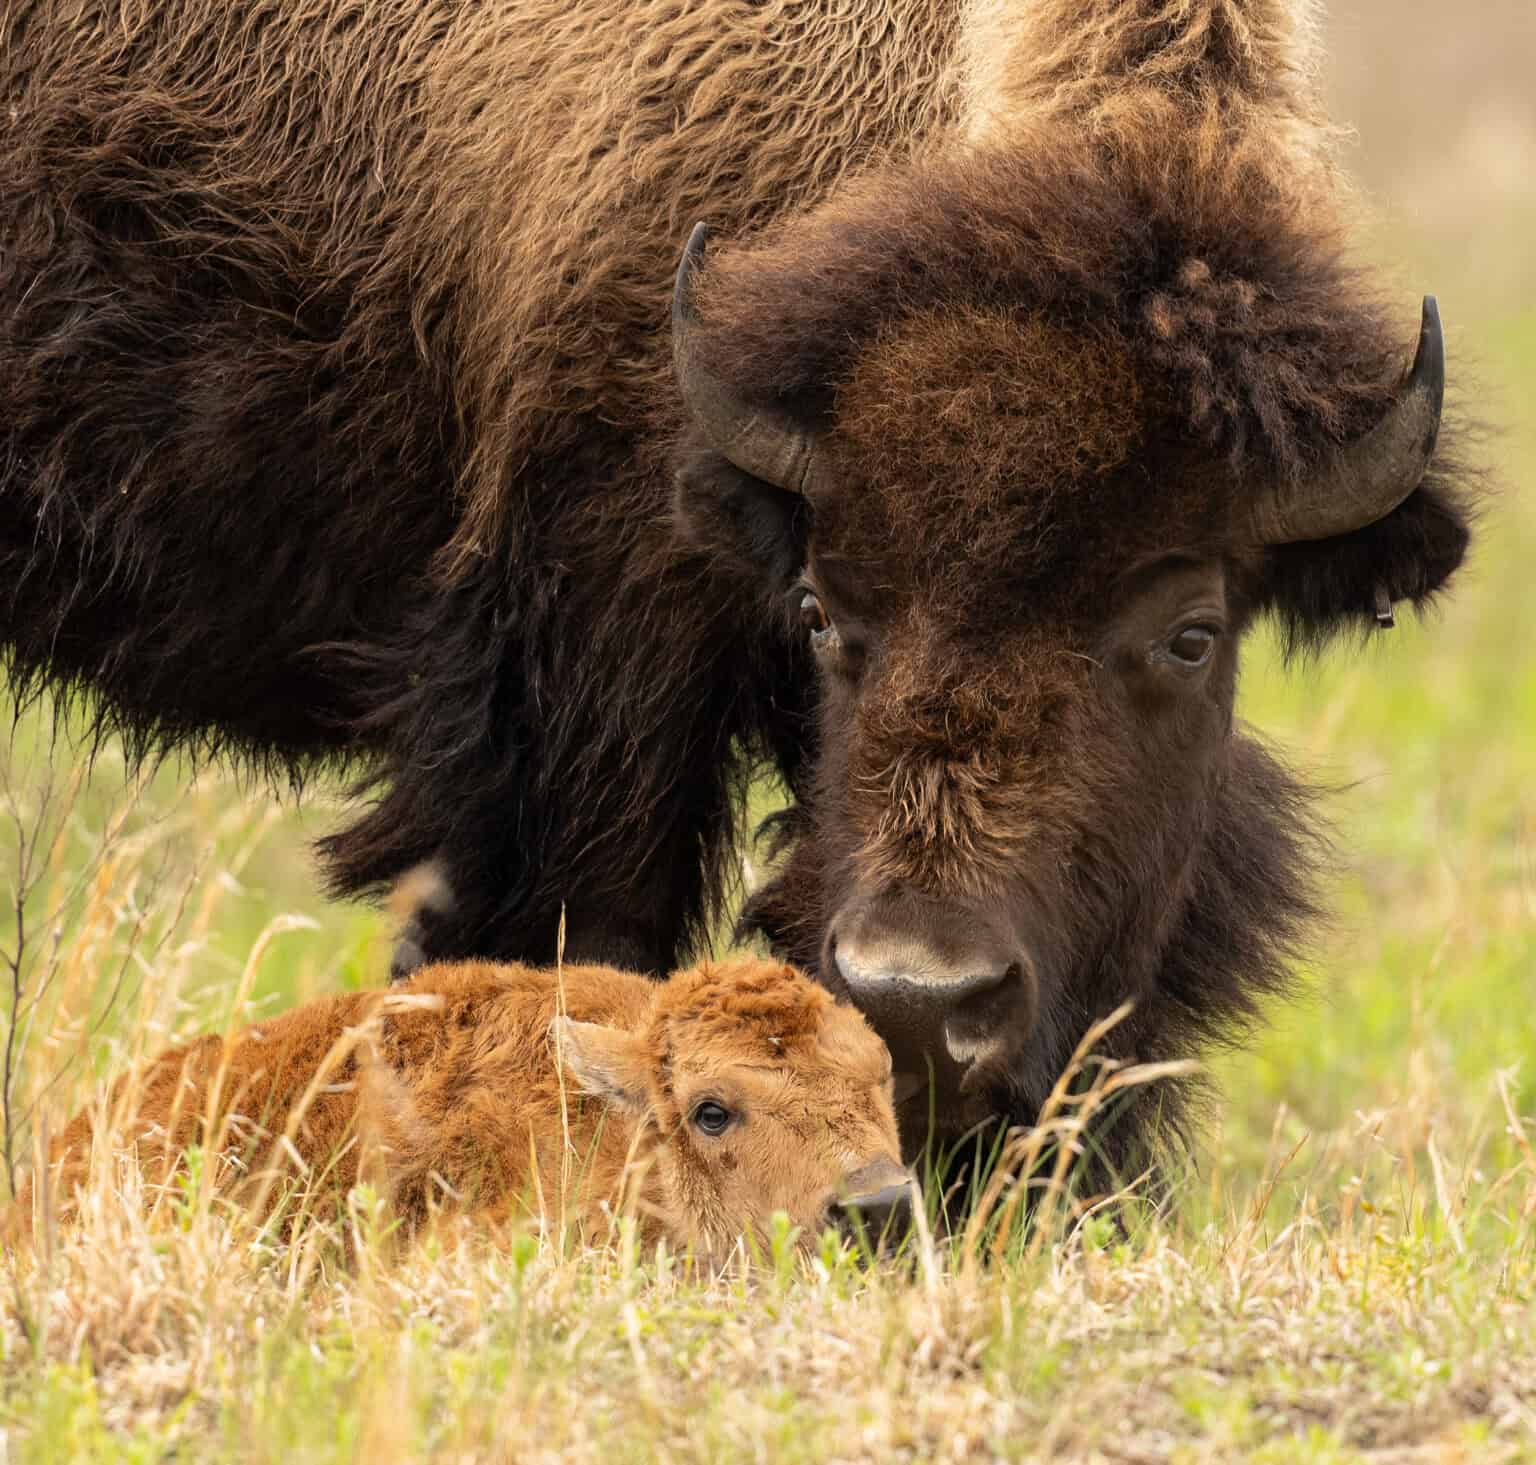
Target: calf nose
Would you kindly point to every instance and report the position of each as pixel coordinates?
(884, 1215)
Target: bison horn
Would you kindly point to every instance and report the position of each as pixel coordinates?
(760, 441)
(1365, 481)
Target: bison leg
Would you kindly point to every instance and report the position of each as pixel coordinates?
(559, 762)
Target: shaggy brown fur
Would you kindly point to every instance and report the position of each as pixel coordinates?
(1133, 73)
(505, 1091)
(335, 419)
(328, 336)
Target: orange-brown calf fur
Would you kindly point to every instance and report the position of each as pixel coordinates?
(466, 1091)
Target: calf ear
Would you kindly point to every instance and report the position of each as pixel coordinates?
(1321, 588)
(607, 1063)
(747, 526)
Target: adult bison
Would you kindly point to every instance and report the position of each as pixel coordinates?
(340, 422)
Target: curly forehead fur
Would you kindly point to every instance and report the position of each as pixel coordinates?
(1073, 277)
(750, 1009)
(1002, 392)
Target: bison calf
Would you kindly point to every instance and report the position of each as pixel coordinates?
(703, 1104)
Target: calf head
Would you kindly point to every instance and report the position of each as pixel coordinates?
(1019, 449)
(758, 1093)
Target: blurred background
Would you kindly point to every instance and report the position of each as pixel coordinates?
(152, 906)
(1426, 985)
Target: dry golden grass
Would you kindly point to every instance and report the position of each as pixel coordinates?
(1402, 1326)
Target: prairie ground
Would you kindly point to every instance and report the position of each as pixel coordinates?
(1350, 1272)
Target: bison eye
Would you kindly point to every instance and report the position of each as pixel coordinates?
(1193, 645)
(711, 1118)
(824, 638)
(813, 615)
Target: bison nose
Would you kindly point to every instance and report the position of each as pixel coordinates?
(939, 983)
(883, 1217)
(919, 974)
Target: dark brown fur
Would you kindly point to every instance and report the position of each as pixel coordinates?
(337, 423)
(328, 340)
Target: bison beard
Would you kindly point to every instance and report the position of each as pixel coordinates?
(337, 425)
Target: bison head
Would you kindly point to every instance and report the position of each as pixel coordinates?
(1021, 454)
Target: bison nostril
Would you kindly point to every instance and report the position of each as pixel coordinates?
(937, 981)
(962, 989)
(974, 1020)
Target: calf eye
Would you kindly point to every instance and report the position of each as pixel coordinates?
(1193, 645)
(711, 1118)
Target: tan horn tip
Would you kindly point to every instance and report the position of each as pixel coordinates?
(1363, 482)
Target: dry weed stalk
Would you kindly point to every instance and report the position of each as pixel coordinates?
(64, 925)
(1064, 1121)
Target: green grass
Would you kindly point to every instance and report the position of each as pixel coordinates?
(1352, 1273)
(1429, 735)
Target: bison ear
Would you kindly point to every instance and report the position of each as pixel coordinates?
(745, 525)
(607, 1063)
(1321, 588)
